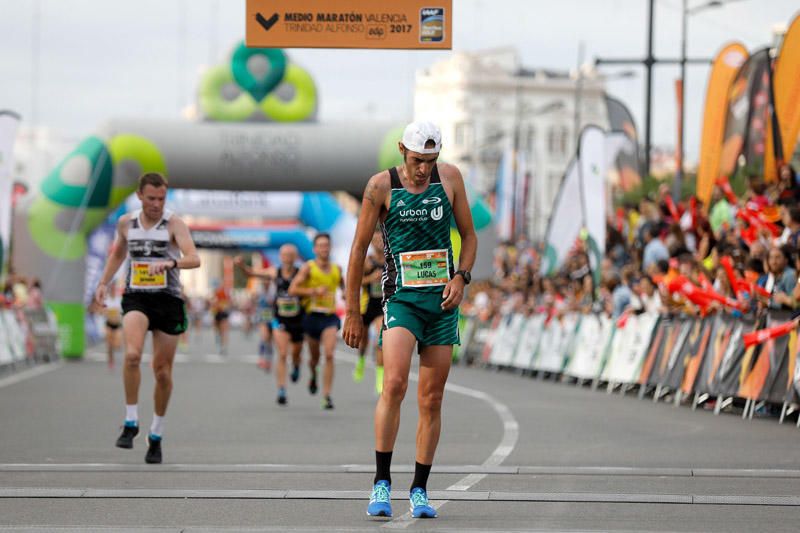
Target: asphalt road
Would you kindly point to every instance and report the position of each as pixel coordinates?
(516, 454)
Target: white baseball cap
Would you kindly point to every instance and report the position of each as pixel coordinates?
(417, 135)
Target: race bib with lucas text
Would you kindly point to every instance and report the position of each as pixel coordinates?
(428, 268)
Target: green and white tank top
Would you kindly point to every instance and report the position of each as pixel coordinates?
(416, 236)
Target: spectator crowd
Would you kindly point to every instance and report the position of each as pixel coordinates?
(738, 256)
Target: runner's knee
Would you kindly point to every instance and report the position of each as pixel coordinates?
(394, 388)
(163, 375)
(431, 401)
(133, 358)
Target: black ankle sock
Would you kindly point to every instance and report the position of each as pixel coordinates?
(421, 473)
(383, 463)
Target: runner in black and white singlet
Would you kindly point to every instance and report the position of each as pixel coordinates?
(287, 324)
(157, 244)
(415, 204)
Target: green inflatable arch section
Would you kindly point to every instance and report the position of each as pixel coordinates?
(87, 169)
(301, 106)
(258, 88)
(215, 106)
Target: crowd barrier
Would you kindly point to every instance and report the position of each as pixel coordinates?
(29, 336)
(667, 356)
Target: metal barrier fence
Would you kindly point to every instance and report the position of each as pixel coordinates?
(664, 356)
(27, 336)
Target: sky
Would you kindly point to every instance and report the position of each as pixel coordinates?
(100, 59)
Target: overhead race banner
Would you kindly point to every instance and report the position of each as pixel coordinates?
(723, 70)
(786, 87)
(400, 24)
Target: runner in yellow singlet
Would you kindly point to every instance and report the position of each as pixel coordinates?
(317, 282)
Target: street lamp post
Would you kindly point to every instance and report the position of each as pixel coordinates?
(685, 13)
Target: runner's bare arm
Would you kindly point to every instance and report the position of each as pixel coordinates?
(302, 275)
(119, 251)
(374, 201)
(268, 274)
(454, 290)
(183, 238)
(372, 204)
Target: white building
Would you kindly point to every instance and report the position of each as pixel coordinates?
(487, 101)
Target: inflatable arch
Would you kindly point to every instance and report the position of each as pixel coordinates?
(51, 226)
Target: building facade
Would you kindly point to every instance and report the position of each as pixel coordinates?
(487, 103)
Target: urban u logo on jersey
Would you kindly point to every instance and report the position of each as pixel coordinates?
(418, 215)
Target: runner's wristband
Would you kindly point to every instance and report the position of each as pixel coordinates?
(175, 265)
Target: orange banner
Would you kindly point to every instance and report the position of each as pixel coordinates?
(400, 24)
(723, 70)
(786, 87)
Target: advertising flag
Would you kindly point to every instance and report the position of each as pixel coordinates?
(747, 114)
(592, 165)
(9, 121)
(504, 198)
(521, 187)
(566, 220)
(723, 70)
(626, 161)
(786, 90)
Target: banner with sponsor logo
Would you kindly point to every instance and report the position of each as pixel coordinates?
(529, 341)
(592, 339)
(786, 91)
(694, 354)
(766, 365)
(666, 357)
(629, 348)
(684, 354)
(401, 24)
(506, 339)
(725, 331)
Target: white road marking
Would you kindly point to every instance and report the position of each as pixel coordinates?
(28, 374)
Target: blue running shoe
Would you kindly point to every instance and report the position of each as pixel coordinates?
(380, 503)
(420, 508)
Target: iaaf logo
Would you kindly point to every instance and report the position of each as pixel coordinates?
(433, 200)
(431, 11)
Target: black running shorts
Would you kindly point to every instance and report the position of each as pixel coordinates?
(163, 311)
